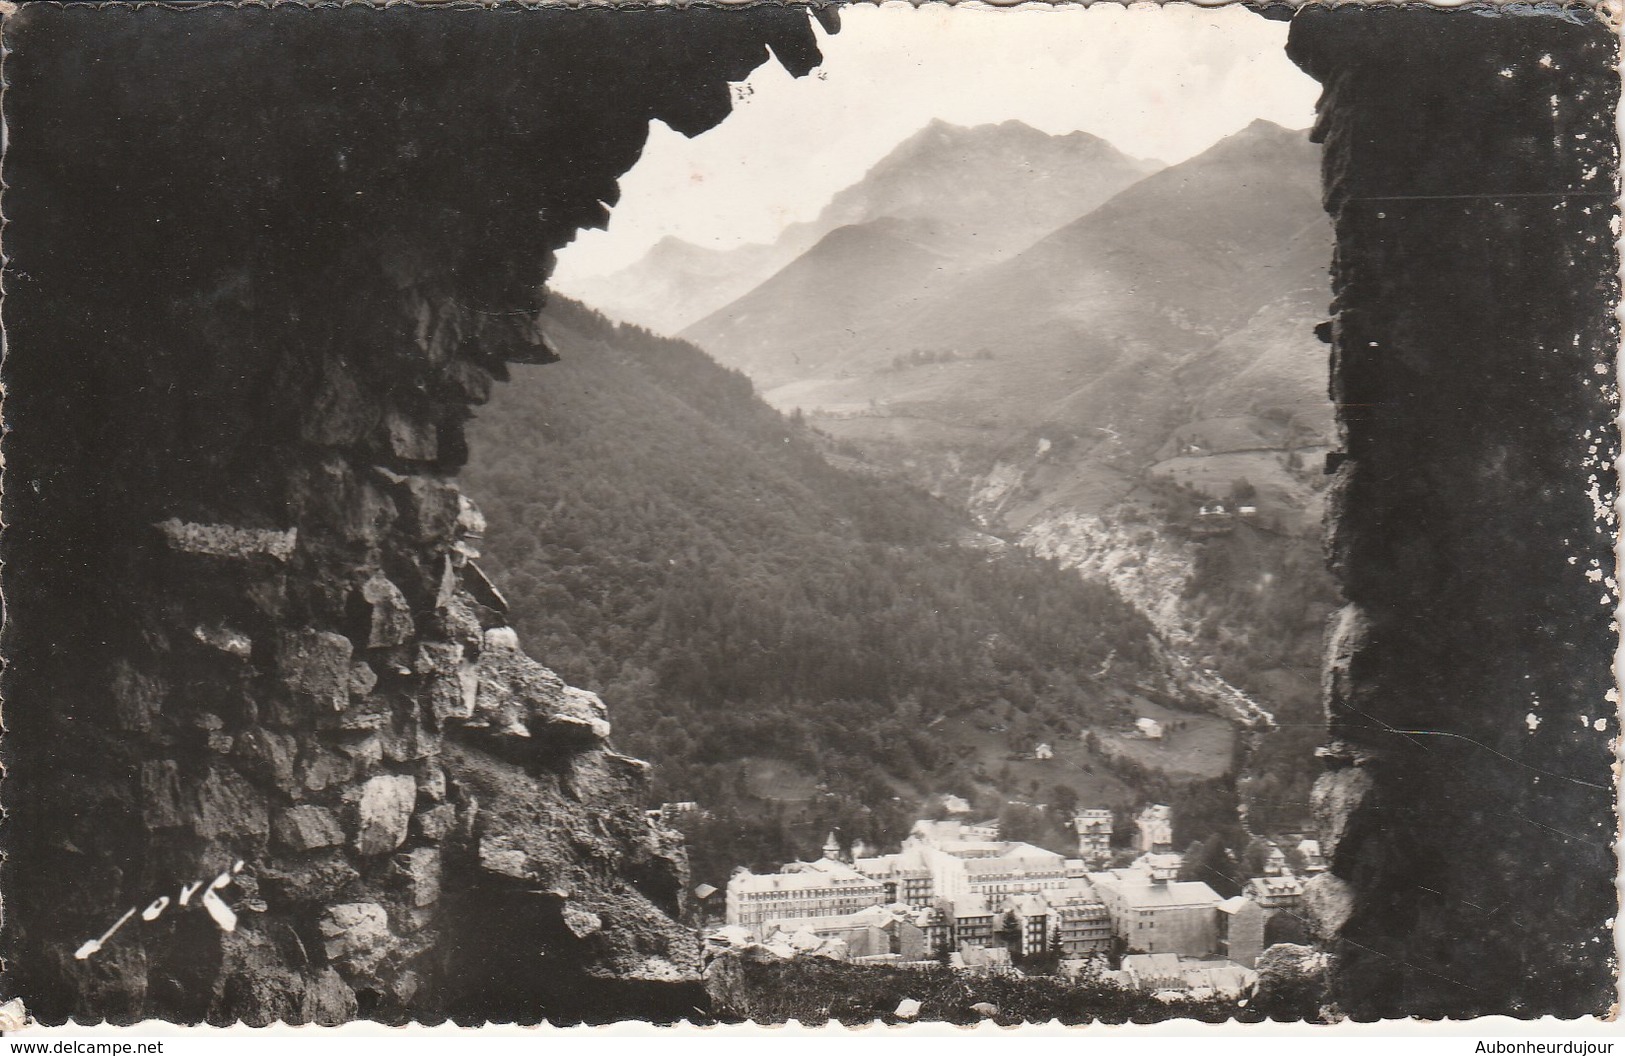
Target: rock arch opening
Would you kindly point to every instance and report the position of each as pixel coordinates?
(243, 624)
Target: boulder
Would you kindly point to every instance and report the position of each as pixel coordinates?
(231, 642)
(411, 438)
(519, 697)
(137, 697)
(316, 665)
(581, 922)
(356, 936)
(437, 822)
(384, 813)
(452, 680)
(363, 679)
(419, 872)
(227, 805)
(1328, 902)
(499, 858)
(430, 507)
(306, 828)
(161, 806)
(389, 616)
(1292, 983)
(269, 755)
(307, 879)
(328, 1000)
(224, 540)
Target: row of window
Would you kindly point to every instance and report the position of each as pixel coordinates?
(756, 896)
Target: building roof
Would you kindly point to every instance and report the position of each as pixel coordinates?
(732, 934)
(970, 906)
(984, 956)
(1140, 893)
(970, 848)
(799, 876)
(1077, 889)
(909, 859)
(1289, 884)
(1170, 971)
(935, 831)
(1223, 977)
(1153, 970)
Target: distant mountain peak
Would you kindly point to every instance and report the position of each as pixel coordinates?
(1260, 126)
(671, 246)
(1013, 128)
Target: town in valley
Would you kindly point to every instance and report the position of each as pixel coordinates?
(956, 894)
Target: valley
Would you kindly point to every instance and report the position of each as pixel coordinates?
(1135, 392)
(796, 646)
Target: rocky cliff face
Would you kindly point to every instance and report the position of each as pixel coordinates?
(1470, 169)
(249, 643)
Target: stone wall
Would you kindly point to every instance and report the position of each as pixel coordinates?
(261, 264)
(1470, 168)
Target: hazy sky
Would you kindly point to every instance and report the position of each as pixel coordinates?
(1157, 82)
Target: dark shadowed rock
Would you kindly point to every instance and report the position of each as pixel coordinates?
(327, 1000)
(436, 823)
(136, 697)
(317, 664)
(307, 828)
(275, 428)
(1468, 773)
(269, 756)
(226, 804)
(161, 803)
(306, 879)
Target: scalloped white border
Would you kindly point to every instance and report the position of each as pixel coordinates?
(1411, 1035)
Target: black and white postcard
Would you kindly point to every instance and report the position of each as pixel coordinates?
(837, 513)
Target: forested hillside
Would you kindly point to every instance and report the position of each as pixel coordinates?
(787, 642)
(1090, 395)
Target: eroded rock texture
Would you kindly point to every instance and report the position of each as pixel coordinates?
(1470, 169)
(262, 263)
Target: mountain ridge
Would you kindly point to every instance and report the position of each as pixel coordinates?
(673, 290)
(1160, 273)
(1090, 393)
